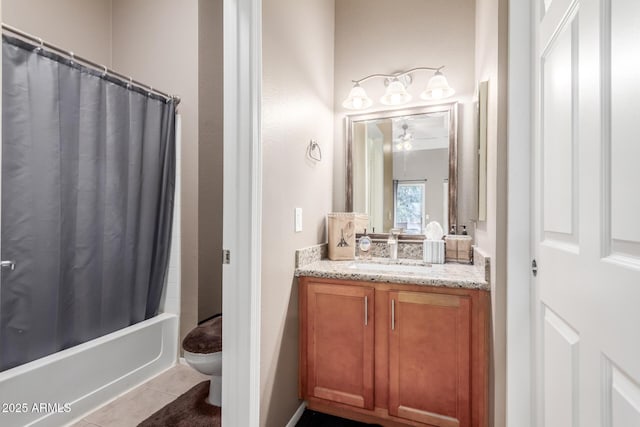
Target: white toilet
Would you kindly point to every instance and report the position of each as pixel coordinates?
(203, 352)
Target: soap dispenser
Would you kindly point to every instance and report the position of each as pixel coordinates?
(365, 245)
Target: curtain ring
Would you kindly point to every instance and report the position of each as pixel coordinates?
(41, 44)
(72, 56)
(150, 91)
(105, 71)
(130, 83)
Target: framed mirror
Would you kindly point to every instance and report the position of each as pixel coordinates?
(402, 167)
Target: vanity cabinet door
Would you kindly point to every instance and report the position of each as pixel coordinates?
(339, 343)
(429, 358)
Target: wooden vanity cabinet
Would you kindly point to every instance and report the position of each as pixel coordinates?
(420, 359)
(429, 358)
(339, 336)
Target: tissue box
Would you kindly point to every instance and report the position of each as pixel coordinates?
(433, 251)
(342, 228)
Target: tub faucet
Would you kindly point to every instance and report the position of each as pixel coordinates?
(392, 243)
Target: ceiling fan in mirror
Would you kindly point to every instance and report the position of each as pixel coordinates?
(403, 141)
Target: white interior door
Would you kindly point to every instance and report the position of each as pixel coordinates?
(586, 228)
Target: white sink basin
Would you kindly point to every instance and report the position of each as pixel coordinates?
(399, 268)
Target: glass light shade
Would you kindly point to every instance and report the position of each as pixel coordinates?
(396, 94)
(357, 99)
(437, 88)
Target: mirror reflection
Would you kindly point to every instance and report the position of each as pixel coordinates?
(402, 167)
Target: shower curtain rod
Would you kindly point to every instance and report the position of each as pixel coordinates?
(91, 64)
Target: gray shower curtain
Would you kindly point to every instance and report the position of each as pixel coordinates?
(88, 171)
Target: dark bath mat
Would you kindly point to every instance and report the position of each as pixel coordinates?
(318, 419)
(188, 410)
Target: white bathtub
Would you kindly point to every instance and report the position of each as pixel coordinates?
(88, 375)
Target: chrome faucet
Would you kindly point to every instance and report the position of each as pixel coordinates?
(392, 243)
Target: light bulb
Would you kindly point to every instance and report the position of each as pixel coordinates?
(357, 99)
(437, 88)
(395, 94)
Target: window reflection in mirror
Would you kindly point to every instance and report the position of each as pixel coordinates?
(401, 166)
(410, 206)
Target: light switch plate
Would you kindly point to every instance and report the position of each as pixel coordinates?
(298, 220)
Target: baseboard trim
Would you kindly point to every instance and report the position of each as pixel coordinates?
(298, 414)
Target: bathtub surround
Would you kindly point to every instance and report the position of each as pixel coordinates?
(88, 185)
(93, 373)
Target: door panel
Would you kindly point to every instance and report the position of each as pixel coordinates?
(621, 397)
(340, 339)
(622, 36)
(429, 358)
(586, 235)
(558, 93)
(561, 371)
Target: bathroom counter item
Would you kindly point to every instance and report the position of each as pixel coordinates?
(342, 227)
(459, 248)
(445, 275)
(433, 251)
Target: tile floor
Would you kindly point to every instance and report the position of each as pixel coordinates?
(137, 405)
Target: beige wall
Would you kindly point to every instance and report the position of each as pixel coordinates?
(297, 105)
(82, 26)
(164, 53)
(382, 36)
(210, 116)
(491, 65)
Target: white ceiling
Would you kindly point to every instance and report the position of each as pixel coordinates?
(428, 131)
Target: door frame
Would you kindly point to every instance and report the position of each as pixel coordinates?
(242, 22)
(519, 396)
(242, 213)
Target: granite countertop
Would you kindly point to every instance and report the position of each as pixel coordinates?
(446, 275)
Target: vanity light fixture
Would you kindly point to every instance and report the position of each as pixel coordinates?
(396, 93)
